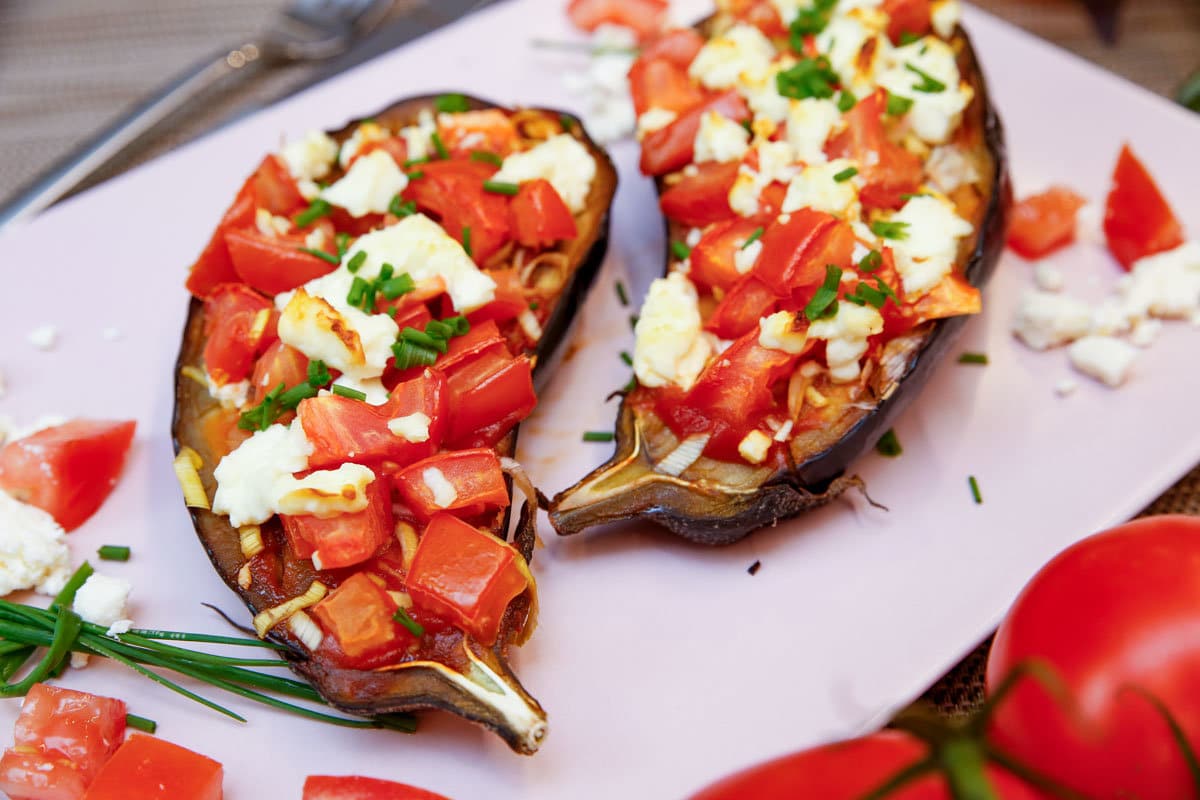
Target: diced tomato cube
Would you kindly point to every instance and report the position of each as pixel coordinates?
(1044, 222)
(467, 575)
(467, 482)
(907, 17)
(239, 324)
(671, 148)
(276, 264)
(714, 257)
(703, 198)
(488, 129)
(488, 395)
(508, 303)
(38, 776)
(280, 363)
(539, 216)
(679, 46)
(346, 539)
(149, 768)
(358, 614)
(742, 307)
(794, 254)
(656, 82)
(329, 787)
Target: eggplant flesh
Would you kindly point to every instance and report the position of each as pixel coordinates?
(719, 502)
(467, 678)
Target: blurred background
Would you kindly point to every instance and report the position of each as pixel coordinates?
(68, 67)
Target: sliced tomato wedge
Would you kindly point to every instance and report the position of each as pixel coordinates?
(280, 363)
(149, 768)
(889, 171)
(69, 470)
(465, 482)
(742, 307)
(239, 324)
(1043, 223)
(466, 575)
(509, 301)
(347, 539)
(394, 146)
(359, 615)
(907, 18)
(354, 787)
(647, 17)
(453, 192)
(214, 267)
(703, 198)
(490, 130)
(275, 264)
(539, 216)
(713, 258)
(672, 147)
(488, 395)
(662, 82)
(1138, 220)
(795, 252)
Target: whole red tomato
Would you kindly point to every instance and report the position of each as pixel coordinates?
(847, 771)
(1117, 617)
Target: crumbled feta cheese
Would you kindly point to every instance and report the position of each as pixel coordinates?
(694, 236)
(562, 160)
(1047, 277)
(33, 549)
(229, 395)
(775, 164)
(443, 491)
(778, 332)
(810, 124)
(856, 43)
(411, 427)
(930, 247)
(111, 334)
(945, 16)
(1066, 387)
(669, 343)
(815, 187)
(653, 119)
(720, 139)
(248, 478)
(324, 493)
(1104, 358)
(743, 49)
(44, 337)
(1146, 332)
(316, 239)
(368, 132)
(1166, 285)
(102, 600)
(745, 256)
(949, 168)
(935, 115)
(368, 186)
(761, 91)
(755, 446)
(1044, 320)
(309, 158)
(846, 335)
(269, 224)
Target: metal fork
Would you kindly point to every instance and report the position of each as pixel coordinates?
(305, 30)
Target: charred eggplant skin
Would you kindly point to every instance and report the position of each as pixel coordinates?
(419, 685)
(714, 515)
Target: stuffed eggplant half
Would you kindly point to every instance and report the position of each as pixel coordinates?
(361, 345)
(835, 193)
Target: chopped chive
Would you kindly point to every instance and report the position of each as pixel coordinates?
(385, 272)
(317, 209)
(358, 291)
(346, 391)
(811, 77)
(534, 306)
(748, 126)
(928, 84)
(973, 358)
(462, 325)
(416, 162)
(318, 374)
(409, 354)
(974, 484)
(824, 302)
(898, 106)
(809, 22)
(485, 157)
(633, 321)
(401, 208)
(871, 261)
(415, 628)
(451, 103)
(415, 175)
(466, 240)
(321, 254)
(629, 387)
(621, 293)
(113, 552)
(846, 101)
(908, 37)
(356, 261)
(752, 238)
(754, 568)
(342, 240)
(438, 329)
(439, 146)
(419, 337)
(399, 285)
(140, 723)
(889, 445)
(680, 249)
(598, 436)
(846, 174)
(566, 121)
(628, 359)
(890, 230)
(501, 187)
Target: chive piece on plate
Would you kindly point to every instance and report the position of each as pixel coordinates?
(598, 436)
(114, 552)
(973, 358)
(889, 445)
(975, 495)
(140, 723)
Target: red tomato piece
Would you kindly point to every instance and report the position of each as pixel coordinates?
(149, 768)
(1138, 220)
(394, 146)
(280, 363)
(1043, 223)
(888, 170)
(1113, 617)
(762, 14)
(329, 787)
(488, 395)
(713, 257)
(679, 46)
(795, 253)
(214, 266)
(69, 470)
(488, 129)
(539, 216)
(466, 575)
(275, 264)
(671, 148)
(275, 189)
(508, 303)
(701, 199)
(358, 614)
(453, 192)
(644, 16)
(347, 539)
(37, 776)
(474, 476)
(912, 17)
(742, 307)
(233, 324)
(658, 82)
(482, 338)
(848, 771)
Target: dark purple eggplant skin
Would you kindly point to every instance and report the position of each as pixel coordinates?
(414, 688)
(707, 515)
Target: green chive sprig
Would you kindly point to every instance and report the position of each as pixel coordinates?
(824, 302)
(404, 618)
(889, 445)
(317, 209)
(281, 399)
(417, 348)
(979, 359)
(329, 258)
(114, 552)
(451, 103)
(598, 436)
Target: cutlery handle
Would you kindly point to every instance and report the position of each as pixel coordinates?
(125, 133)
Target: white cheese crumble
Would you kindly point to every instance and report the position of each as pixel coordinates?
(1066, 387)
(1047, 277)
(670, 346)
(310, 157)
(368, 186)
(44, 337)
(778, 332)
(720, 139)
(935, 114)
(945, 16)
(411, 427)
(229, 395)
(810, 124)
(761, 91)
(269, 224)
(775, 164)
(1104, 358)
(949, 168)
(1166, 285)
(249, 478)
(721, 62)
(368, 132)
(930, 247)
(653, 119)
(755, 446)
(562, 160)
(33, 549)
(1044, 320)
(846, 335)
(844, 39)
(746, 256)
(443, 491)
(815, 187)
(103, 601)
(325, 493)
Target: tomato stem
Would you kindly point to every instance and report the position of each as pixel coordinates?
(902, 779)
(963, 762)
(1177, 733)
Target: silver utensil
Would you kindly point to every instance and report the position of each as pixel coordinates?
(304, 30)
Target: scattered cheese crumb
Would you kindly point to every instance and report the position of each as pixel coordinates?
(444, 493)
(44, 337)
(33, 549)
(1048, 278)
(1066, 387)
(412, 427)
(1045, 320)
(1104, 358)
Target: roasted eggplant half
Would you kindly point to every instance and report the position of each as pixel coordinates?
(831, 218)
(362, 341)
